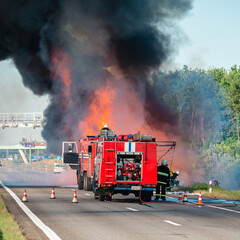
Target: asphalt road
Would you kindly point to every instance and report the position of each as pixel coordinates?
(123, 218)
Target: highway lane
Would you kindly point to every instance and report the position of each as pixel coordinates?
(125, 218)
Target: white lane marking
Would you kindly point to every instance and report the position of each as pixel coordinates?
(87, 194)
(173, 223)
(132, 209)
(48, 231)
(230, 210)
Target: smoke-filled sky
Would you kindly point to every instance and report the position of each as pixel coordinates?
(88, 58)
(189, 32)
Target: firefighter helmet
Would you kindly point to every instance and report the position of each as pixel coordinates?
(164, 162)
(178, 173)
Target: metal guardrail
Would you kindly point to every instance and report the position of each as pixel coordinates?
(22, 120)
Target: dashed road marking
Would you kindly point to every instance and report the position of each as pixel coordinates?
(173, 223)
(48, 231)
(87, 194)
(132, 209)
(230, 210)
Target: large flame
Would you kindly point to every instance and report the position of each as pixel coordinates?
(117, 105)
(99, 111)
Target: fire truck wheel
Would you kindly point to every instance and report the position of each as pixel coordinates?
(80, 185)
(85, 181)
(108, 198)
(146, 197)
(89, 184)
(96, 196)
(101, 197)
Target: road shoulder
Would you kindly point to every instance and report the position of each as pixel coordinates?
(30, 230)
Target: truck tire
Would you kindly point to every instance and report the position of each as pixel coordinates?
(96, 195)
(101, 197)
(80, 183)
(85, 182)
(95, 190)
(108, 198)
(146, 196)
(89, 184)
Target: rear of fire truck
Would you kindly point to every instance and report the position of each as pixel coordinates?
(124, 165)
(111, 164)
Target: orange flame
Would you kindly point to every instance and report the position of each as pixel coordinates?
(118, 106)
(99, 111)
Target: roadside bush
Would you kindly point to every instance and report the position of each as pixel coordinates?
(195, 187)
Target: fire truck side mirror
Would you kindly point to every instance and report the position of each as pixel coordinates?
(89, 149)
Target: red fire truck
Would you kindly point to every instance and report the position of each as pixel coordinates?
(109, 164)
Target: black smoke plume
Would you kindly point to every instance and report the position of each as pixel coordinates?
(134, 36)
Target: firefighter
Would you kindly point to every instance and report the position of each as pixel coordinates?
(176, 174)
(163, 177)
(173, 180)
(216, 182)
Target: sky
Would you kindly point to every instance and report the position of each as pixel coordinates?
(14, 97)
(210, 38)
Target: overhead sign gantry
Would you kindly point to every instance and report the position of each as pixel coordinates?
(22, 120)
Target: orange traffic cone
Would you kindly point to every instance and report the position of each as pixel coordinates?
(200, 199)
(75, 198)
(180, 196)
(53, 194)
(24, 198)
(185, 197)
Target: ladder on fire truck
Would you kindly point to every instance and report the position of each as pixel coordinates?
(110, 162)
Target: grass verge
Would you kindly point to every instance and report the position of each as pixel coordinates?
(9, 229)
(223, 193)
(196, 187)
(217, 191)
